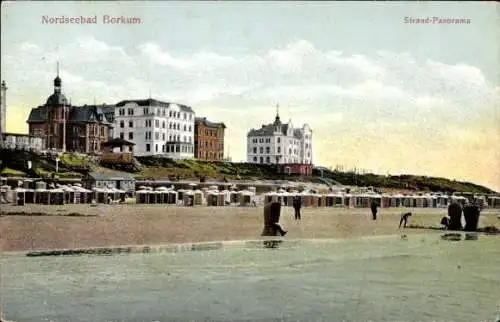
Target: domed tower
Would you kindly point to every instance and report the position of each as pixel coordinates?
(57, 113)
(277, 121)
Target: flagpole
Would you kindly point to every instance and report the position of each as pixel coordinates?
(64, 127)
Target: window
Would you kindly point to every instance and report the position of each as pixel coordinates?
(268, 149)
(268, 160)
(190, 128)
(163, 136)
(121, 135)
(163, 124)
(307, 145)
(122, 124)
(254, 159)
(170, 137)
(145, 111)
(254, 140)
(261, 159)
(157, 123)
(290, 151)
(170, 125)
(189, 139)
(185, 116)
(279, 149)
(170, 113)
(184, 139)
(185, 128)
(121, 112)
(156, 147)
(130, 111)
(261, 150)
(157, 136)
(190, 116)
(163, 148)
(130, 123)
(130, 135)
(130, 148)
(148, 147)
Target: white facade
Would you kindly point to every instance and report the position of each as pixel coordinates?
(157, 128)
(23, 142)
(3, 108)
(280, 143)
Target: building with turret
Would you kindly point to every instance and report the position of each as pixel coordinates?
(66, 127)
(282, 144)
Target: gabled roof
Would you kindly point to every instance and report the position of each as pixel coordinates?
(117, 142)
(77, 114)
(207, 123)
(153, 102)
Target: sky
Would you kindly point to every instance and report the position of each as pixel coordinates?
(380, 94)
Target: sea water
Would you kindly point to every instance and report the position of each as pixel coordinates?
(392, 278)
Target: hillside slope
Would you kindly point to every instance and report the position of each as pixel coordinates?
(162, 168)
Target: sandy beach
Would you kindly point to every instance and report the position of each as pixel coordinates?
(108, 225)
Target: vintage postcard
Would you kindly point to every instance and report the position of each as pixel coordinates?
(249, 161)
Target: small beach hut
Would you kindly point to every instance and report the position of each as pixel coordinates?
(212, 198)
(494, 202)
(56, 196)
(172, 197)
(188, 198)
(19, 196)
(396, 200)
(142, 196)
(246, 198)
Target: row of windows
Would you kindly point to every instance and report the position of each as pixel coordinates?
(207, 155)
(268, 150)
(278, 140)
(268, 160)
(210, 144)
(160, 111)
(149, 136)
(171, 148)
(208, 132)
(149, 123)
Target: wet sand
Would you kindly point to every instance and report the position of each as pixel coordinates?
(108, 225)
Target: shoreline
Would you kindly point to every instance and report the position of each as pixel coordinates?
(113, 250)
(51, 228)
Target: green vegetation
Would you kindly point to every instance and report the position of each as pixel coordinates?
(184, 169)
(72, 160)
(7, 172)
(410, 182)
(74, 166)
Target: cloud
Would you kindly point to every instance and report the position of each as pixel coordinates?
(358, 104)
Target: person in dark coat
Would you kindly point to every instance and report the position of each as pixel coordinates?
(297, 204)
(404, 218)
(373, 207)
(272, 212)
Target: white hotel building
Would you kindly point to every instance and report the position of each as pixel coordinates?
(280, 143)
(157, 128)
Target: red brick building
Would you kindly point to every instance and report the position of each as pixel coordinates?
(70, 128)
(208, 140)
(296, 169)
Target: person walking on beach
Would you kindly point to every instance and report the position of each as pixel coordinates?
(297, 204)
(404, 218)
(373, 207)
